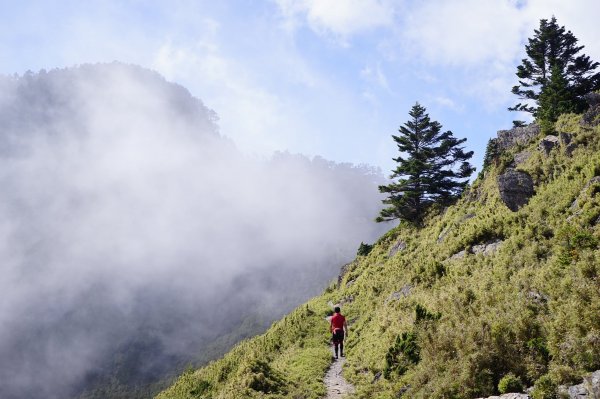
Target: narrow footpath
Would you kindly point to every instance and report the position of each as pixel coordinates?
(337, 386)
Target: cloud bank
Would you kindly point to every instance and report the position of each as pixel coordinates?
(127, 218)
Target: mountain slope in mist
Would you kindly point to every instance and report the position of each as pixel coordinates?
(479, 299)
(135, 235)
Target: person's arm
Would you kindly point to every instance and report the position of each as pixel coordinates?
(345, 328)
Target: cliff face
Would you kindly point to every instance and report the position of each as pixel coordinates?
(485, 292)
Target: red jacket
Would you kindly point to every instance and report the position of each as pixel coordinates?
(337, 322)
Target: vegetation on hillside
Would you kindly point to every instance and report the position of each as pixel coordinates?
(464, 300)
(440, 318)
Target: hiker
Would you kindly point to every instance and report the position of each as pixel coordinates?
(339, 328)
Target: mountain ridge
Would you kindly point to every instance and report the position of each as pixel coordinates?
(482, 292)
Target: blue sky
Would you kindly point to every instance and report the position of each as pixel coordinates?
(334, 78)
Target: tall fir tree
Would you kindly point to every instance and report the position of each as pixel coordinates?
(554, 64)
(433, 168)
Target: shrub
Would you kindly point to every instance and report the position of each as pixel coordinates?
(422, 314)
(264, 379)
(510, 383)
(404, 353)
(573, 240)
(200, 387)
(544, 388)
(364, 249)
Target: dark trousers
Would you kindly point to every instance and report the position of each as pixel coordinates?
(338, 341)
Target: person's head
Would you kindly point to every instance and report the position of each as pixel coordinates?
(337, 309)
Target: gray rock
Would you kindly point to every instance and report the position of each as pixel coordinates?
(402, 391)
(443, 234)
(398, 246)
(343, 271)
(516, 187)
(574, 204)
(458, 255)
(578, 391)
(488, 248)
(582, 194)
(347, 299)
(588, 389)
(537, 297)
(565, 138)
(573, 216)
(593, 180)
(548, 143)
(403, 293)
(522, 157)
(570, 148)
(594, 384)
(518, 135)
(376, 377)
(591, 117)
(592, 99)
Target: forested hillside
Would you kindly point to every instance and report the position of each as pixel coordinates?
(498, 292)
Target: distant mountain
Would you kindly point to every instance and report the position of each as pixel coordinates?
(494, 294)
(137, 240)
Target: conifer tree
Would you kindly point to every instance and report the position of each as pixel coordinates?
(554, 64)
(433, 168)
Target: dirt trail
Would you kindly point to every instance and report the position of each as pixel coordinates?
(337, 386)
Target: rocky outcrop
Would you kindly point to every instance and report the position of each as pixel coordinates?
(343, 271)
(518, 135)
(592, 116)
(588, 389)
(398, 246)
(516, 187)
(584, 192)
(458, 255)
(403, 293)
(486, 249)
(521, 157)
(548, 143)
(565, 138)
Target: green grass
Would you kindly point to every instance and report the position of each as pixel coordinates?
(531, 310)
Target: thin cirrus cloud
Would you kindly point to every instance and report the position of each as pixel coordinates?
(342, 19)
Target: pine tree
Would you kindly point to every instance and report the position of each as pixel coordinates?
(554, 99)
(491, 153)
(433, 168)
(553, 55)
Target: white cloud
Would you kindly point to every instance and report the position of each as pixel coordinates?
(241, 102)
(342, 19)
(447, 102)
(375, 75)
(462, 32)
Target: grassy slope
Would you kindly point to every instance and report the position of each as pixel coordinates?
(532, 308)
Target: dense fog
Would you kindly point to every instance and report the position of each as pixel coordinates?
(126, 219)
